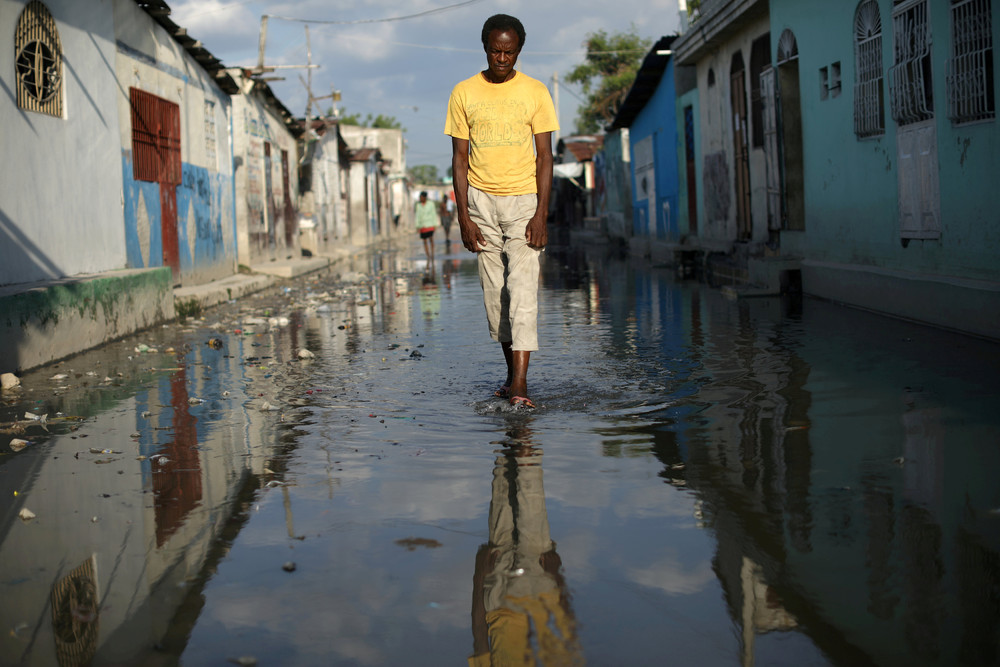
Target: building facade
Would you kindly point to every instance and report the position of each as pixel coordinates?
(858, 159)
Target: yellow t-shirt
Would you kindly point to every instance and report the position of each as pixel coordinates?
(500, 120)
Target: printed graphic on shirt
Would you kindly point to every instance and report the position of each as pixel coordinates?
(494, 123)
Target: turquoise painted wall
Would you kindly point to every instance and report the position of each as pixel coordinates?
(851, 189)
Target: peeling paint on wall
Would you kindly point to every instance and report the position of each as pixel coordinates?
(716, 180)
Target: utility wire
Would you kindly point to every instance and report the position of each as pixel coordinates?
(438, 47)
(385, 20)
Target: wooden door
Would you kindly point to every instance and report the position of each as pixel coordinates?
(741, 149)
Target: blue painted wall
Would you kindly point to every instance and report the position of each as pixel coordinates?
(658, 119)
(206, 237)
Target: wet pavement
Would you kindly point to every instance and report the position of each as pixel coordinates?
(705, 481)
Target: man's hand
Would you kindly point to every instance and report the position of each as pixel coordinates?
(537, 231)
(472, 237)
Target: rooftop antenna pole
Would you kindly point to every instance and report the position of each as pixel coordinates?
(263, 41)
(309, 75)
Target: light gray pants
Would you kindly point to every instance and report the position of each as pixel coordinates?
(508, 267)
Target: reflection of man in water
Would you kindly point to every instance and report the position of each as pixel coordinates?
(520, 608)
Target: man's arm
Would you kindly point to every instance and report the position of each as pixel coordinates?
(537, 233)
(472, 238)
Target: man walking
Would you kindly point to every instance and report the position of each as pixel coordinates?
(501, 123)
(425, 214)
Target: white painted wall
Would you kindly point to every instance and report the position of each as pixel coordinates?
(148, 58)
(253, 126)
(716, 123)
(60, 178)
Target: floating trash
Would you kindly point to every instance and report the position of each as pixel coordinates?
(26, 515)
(306, 354)
(17, 444)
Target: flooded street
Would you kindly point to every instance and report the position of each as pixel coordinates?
(705, 481)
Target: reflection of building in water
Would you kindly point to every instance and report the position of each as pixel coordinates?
(864, 504)
(177, 486)
(75, 615)
(148, 526)
(520, 607)
(762, 609)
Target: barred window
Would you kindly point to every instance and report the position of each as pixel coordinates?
(970, 69)
(869, 104)
(38, 61)
(910, 85)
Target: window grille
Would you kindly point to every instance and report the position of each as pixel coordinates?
(38, 61)
(910, 86)
(788, 48)
(970, 69)
(156, 138)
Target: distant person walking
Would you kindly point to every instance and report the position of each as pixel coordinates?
(501, 123)
(426, 216)
(447, 210)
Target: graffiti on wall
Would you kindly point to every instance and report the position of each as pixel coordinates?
(717, 188)
(257, 127)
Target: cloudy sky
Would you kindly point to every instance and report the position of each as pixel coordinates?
(406, 68)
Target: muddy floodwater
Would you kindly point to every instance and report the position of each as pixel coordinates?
(320, 475)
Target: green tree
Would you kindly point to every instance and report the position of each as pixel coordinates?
(606, 75)
(386, 122)
(351, 119)
(424, 174)
(380, 121)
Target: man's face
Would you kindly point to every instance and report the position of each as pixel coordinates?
(502, 49)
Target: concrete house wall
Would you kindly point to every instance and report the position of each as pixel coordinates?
(394, 193)
(613, 171)
(654, 187)
(362, 191)
(717, 188)
(147, 58)
(60, 179)
(689, 226)
(323, 205)
(853, 249)
(266, 217)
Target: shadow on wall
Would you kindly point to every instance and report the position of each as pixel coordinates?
(24, 262)
(21, 262)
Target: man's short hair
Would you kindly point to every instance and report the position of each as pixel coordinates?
(423, 193)
(503, 22)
